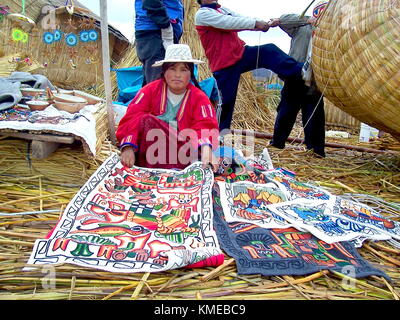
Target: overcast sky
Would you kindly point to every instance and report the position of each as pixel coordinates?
(121, 15)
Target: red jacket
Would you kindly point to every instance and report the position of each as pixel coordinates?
(230, 47)
(218, 30)
(195, 112)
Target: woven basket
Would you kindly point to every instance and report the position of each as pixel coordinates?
(356, 60)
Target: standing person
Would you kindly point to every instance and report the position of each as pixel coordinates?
(172, 111)
(294, 97)
(158, 23)
(229, 56)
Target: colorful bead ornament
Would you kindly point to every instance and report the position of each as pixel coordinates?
(48, 37)
(57, 35)
(93, 35)
(17, 34)
(84, 36)
(71, 40)
(3, 12)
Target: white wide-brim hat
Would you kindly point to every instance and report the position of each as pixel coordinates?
(177, 53)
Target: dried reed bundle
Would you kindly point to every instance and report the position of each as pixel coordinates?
(7, 65)
(33, 66)
(29, 185)
(356, 60)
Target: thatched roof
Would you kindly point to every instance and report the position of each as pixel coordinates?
(33, 9)
(78, 67)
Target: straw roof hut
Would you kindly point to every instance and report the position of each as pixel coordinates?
(61, 42)
(356, 60)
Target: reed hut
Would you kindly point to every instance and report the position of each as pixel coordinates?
(59, 40)
(356, 60)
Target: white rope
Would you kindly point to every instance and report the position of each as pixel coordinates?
(258, 49)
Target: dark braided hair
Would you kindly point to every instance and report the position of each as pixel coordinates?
(190, 65)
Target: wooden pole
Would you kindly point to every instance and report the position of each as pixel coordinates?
(265, 135)
(304, 12)
(106, 69)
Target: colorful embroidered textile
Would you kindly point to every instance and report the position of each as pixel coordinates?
(248, 202)
(316, 217)
(81, 124)
(274, 199)
(136, 220)
(273, 252)
(364, 215)
(297, 189)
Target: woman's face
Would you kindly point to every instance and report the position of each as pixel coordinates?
(177, 77)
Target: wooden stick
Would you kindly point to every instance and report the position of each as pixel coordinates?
(120, 290)
(340, 184)
(392, 290)
(25, 220)
(140, 286)
(106, 69)
(17, 242)
(384, 248)
(265, 135)
(40, 137)
(308, 7)
(73, 281)
(289, 280)
(383, 256)
(37, 198)
(216, 270)
(297, 281)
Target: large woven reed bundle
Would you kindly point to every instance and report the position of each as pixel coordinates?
(69, 66)
(251, 110)
(356, 60)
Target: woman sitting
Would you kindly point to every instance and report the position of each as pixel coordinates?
(170, 120)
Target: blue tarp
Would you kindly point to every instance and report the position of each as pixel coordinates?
(129, 81)
(274, 86)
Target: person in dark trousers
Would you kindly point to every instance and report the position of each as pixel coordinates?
(306, 98)
(229, 56)
(158, 23)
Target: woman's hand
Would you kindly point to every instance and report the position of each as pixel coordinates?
(208, 157)
(128, 157)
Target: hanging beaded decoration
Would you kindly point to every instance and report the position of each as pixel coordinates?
(71, 39)
(4, 10)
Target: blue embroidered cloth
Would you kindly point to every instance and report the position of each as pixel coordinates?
(273, 252)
